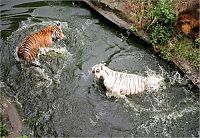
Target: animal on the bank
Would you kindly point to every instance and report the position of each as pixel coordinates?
(188, 21)
(29, 47)
(123, 84)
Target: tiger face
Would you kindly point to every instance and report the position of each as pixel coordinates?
(57, 33)
(98, 70)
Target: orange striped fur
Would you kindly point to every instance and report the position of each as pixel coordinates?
(29, 47)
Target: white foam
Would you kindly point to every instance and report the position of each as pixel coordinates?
(41, 73)
(2, 84)
(59, 72)
(154, 80)
(15, 54)
(118, 96)
(61, 50)
(176, 78)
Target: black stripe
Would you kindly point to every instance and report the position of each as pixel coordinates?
(115, 78)
(36, 65)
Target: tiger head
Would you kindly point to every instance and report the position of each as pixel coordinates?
(100, 70)
(56, 32)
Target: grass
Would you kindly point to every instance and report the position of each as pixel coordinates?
(3, 130)
(183, 48)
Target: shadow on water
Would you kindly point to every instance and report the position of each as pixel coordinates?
(64, 99)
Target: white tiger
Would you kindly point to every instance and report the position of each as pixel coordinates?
(122, 84)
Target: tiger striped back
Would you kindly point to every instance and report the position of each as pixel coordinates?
(29, 47)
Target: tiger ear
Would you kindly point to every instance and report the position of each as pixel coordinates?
(58, 23)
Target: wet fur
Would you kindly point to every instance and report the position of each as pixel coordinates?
(119, 83)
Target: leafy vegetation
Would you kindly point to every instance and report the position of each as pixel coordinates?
(163, 18)
(133, 28)
(197, 42)
(3, 130)
(160, 35)
(163, 13)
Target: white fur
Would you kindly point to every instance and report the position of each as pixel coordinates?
(120, 83)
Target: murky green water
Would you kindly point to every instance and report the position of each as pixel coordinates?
(64, 99)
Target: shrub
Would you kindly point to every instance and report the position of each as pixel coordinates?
(160, 35)
(163, 13)
(163, 18)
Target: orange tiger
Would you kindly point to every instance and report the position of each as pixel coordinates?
(29, 47)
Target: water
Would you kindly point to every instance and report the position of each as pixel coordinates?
(64, 99)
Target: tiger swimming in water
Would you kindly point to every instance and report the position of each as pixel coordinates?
(29, 47)
(122, 84)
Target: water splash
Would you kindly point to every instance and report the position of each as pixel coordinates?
(45, 76)
(61, 50)
(2, 84)
(165, 119)
(58, 74)
(15, 54)
(154, 80)
(162, 111)
(26, 23)
(64, 53)
(177, 78)
(156, 94)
